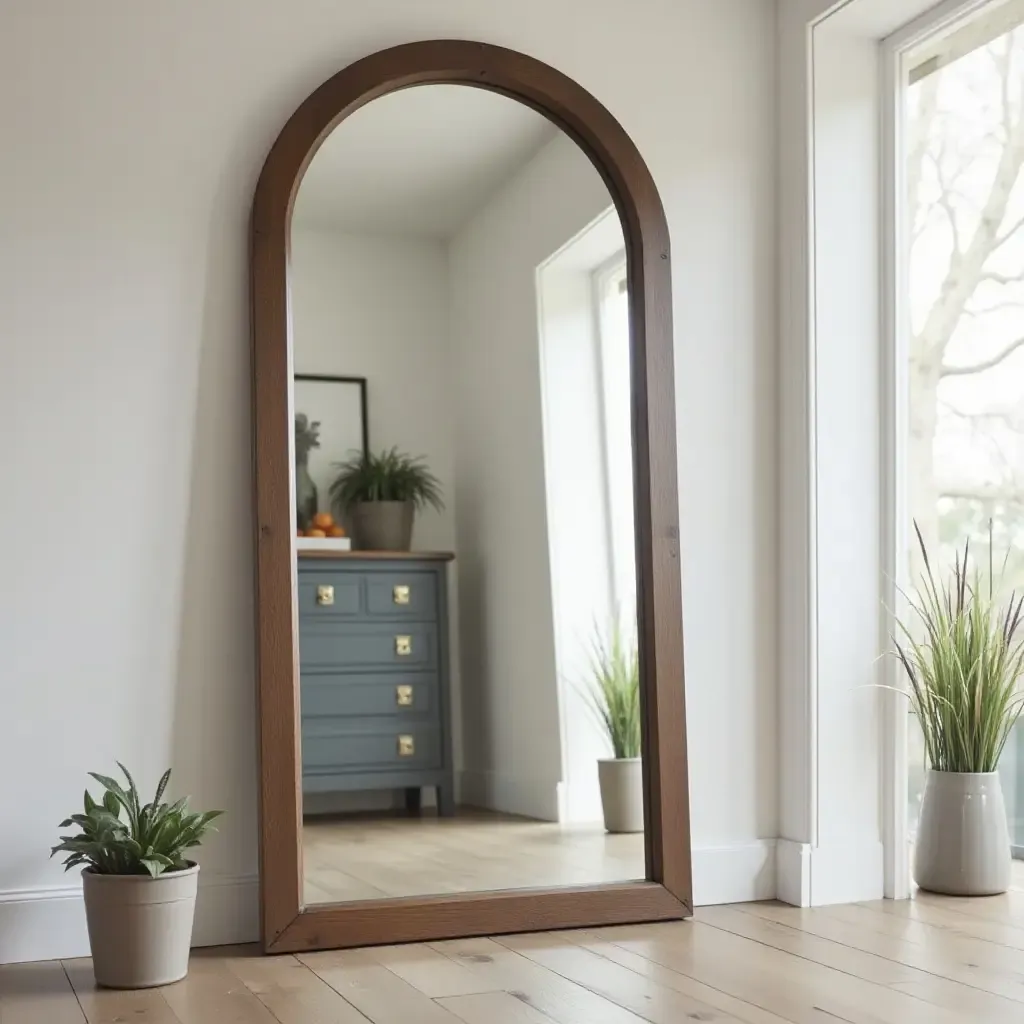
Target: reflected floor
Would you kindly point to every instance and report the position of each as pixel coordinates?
(370, 857)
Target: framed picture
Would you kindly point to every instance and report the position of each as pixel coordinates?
(330, 426)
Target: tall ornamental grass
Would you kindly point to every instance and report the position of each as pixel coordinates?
(615, 690)
(963, 663)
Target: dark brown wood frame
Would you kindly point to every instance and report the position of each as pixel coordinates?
(666, 894)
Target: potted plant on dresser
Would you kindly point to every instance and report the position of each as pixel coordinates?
(615, 695)
(381, 494)
(139, 885)
(963, 656)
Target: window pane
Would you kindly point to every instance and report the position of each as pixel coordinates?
(965, 218)
(615, 372)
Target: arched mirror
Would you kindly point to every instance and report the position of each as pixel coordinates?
(469, 632)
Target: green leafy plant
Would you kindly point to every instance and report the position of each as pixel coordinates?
(152, 840)
(963, 657)
(389, 476)
(614, 690)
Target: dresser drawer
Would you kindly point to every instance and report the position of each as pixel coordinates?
(397, 595)
(383, 646)
(329, 594)
(330, 748)
(351, 695)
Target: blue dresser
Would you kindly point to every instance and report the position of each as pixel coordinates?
(373, 670)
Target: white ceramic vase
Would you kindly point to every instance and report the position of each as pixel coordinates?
(622, 794)
(963, 843)
(140, 928)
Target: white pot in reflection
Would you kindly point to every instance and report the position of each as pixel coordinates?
(622, 794)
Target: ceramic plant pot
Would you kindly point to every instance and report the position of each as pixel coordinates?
(963, 843)
(622, 794)
(140, 928)
(382, 525)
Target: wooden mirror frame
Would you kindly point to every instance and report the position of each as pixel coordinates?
(666, 894)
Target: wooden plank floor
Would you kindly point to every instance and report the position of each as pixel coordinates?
(931, 960)
(354, 858)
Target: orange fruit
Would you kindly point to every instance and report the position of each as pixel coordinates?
(323, 520)
(336, 531)
(315, 533)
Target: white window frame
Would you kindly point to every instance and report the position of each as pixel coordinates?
(614, 268)
(842, 747)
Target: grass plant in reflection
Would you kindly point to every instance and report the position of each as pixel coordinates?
(614, 689)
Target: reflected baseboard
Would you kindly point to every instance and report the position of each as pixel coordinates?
(510, 794)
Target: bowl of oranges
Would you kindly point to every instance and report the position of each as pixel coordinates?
(323, 534)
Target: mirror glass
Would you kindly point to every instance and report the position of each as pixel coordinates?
(463, 483)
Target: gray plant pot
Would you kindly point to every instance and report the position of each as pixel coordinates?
(622, 794)
(140, 928)
(383, 525)
(963, 843)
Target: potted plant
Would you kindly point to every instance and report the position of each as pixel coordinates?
(963, 656)
(381, 495)
(139, 885)
(615, 695)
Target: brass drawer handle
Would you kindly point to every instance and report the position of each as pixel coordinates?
(325, 595)
(401, 594)
(403, 646)
(406, 746)
(403, 696)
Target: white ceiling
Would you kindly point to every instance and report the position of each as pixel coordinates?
(420, 161)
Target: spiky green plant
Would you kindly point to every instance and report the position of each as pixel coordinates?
(614, 689)
(153, 839)
(963, 664)
(390, 476)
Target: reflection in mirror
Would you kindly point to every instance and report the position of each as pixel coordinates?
(464, 502)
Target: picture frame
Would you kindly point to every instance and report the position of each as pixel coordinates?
(331, 412)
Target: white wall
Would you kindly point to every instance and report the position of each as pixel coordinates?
(132, 144)
(573, 389)
(513, 754)
(376, 306)
(838, 781)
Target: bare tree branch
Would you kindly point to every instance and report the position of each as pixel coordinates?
(964, 273)
(997, 278)
(985, 492)
(1003, 238)
(984, 364)
(995, 307)
(1009, 419)
(917, 147)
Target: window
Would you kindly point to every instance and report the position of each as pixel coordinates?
(964, 226)
(612, 297)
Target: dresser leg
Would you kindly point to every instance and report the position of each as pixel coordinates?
(445, 801)
(413, 800)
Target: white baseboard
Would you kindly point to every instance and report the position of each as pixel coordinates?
(49, 923)
(511, 794)
(740, 873)
(839, 873)
(793, 872)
